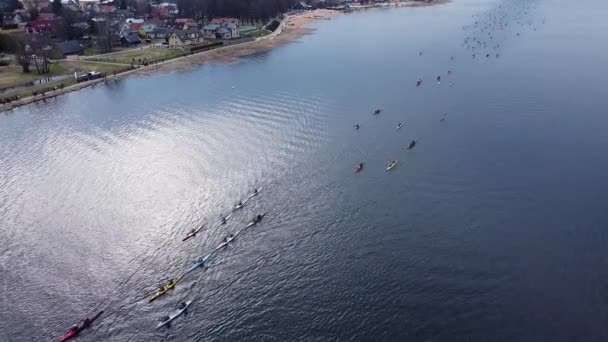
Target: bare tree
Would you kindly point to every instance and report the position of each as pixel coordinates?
(41, 48)
(23, 53)
(104, 35)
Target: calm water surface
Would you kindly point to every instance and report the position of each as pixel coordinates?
(493, 228)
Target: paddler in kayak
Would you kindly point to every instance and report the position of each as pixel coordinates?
(411, 145)
(228, 238)
(399, 125)
(359, 168)
(357, 126)
(377, 111)
(419, 82)
(170, 284)
(224, 219)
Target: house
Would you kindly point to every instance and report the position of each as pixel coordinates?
(302, 6)
(224, 21)
(132, 39)
(226, 31)
(159, 33)
(46, 16)
(149, 27)
(209, 31)
(185, 23)
(164, 10)
(68, 48)
(234, 30)
(136, 26)
(17, 19)
(223, 33)
(180, 38)
(106, 8)
(40, 27)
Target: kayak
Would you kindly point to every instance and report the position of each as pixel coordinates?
(255, 193)
(73, 333)
(69, 335)
(411, 145)
(165, 289)
(255, 221)
(200, 263)
(359, 168)
(173, 316)
(192, 234)
(391, 165)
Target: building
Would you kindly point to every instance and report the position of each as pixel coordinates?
(209, 31)
(159, 33)
(185, 23)
(132, 39)
(302, 6)
(69, 48)
(228, 30)
(234, 30)
(181, 38)
(224, 21)
(223, 33)
(40, 27)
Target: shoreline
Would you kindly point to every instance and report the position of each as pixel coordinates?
(290, 29)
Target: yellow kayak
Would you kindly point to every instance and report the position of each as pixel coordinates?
(165, 289)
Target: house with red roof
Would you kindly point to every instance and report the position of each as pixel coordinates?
(106, 8)
(46, 16)
(224, 21)
(40, 27)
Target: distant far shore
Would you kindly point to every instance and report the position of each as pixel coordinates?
(291, 28)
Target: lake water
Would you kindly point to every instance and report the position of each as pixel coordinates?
(493, 228)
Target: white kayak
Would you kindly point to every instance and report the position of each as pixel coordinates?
(200, 263)
(255, 221)
(173, 316)
(192, 233)
(255, 193)
(391, 165)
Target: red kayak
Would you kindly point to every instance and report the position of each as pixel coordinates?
(359, 168)
(71, 334)
(77, 329)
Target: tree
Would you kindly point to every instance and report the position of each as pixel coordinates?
(33, 13)
(104, 36)
(41, 49)
(57, 7)
(23, 53)
(66, 29)
(122, 4)
(12, 5)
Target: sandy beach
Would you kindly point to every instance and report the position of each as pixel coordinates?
(293, 28)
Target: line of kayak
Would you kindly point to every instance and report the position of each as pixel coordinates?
(200, 263)
(171, 284)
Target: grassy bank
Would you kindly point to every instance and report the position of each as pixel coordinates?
(140, 56)
(67, 68)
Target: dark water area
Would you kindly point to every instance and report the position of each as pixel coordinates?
(492, 228)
